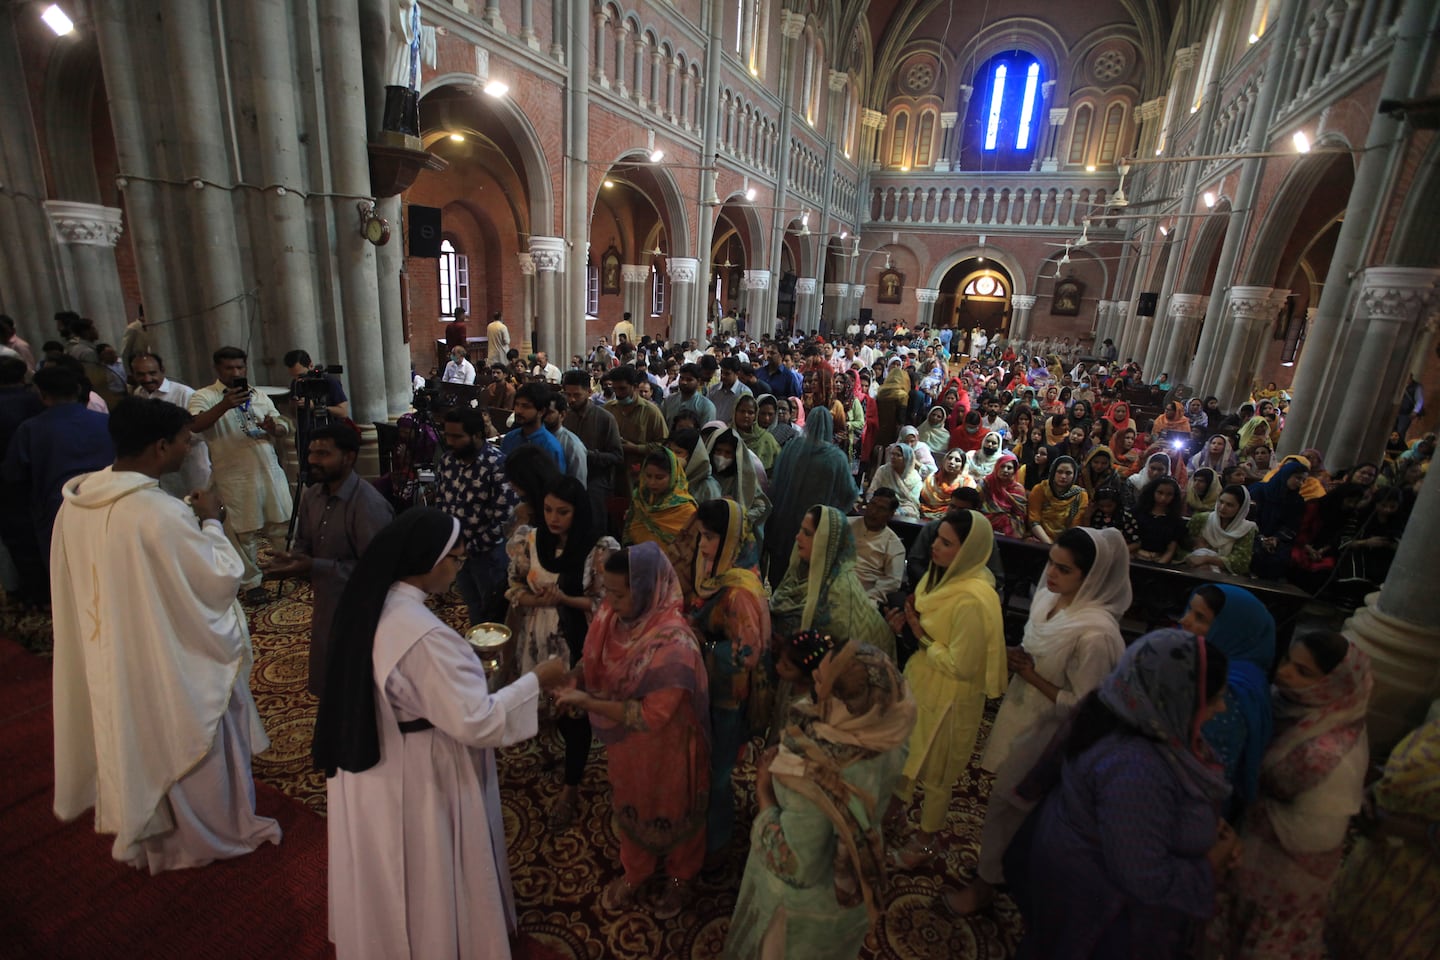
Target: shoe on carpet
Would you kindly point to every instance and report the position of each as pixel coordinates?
(257, 595)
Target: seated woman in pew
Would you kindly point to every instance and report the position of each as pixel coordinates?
(1056, 504)
(1223, 539)
(1162, 528)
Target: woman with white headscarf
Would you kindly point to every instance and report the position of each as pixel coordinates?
(1224, 538)
(899, 474)
(983, 461)
(406, 701)
(924, 459)
(1072, 642)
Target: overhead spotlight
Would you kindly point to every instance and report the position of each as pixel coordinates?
(805, 218)
(750, 194)
(904, 169)
(1209, 198)
(1089, 168)
(1254, 38)
(496, 88)
(1164, 230)
(657, 155)
(1287, 363)
(844, 234)
(457, 137)
(608, 184)
(1301, 141)
(56, 20)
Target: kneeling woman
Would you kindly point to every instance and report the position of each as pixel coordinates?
(955, 616)
(810, 885)
(418, 872)
(645, 688)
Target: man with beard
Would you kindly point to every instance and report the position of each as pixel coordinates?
(470, 485)
(151, 383)
(531, 401)
(336, 519)
(600, 435)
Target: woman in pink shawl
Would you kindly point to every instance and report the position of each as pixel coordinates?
(1003, 498)
(645, 687)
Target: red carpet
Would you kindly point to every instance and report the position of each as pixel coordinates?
(62, 896)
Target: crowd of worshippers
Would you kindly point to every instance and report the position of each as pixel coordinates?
(678, 541)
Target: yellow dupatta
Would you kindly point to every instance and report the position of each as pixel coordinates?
(967, 582)
(660, 519)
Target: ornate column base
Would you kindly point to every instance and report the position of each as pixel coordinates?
(1405, 659)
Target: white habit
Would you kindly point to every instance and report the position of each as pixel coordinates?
(417, 842)
(154, 722)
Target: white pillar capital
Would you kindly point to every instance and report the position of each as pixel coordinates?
(857, 290)
(804, 286)
(837, 289)
(926, 294)
(838, 80)
(791, 24)
(1398, 293)
(548, 254)
(634, 273)
(88, 224)
(1252, 303)
(1058, 115)
(527, 264)
(755, 280)
(872, 119)
(683, 269)
(948, 118)
(1023, 301)
(1187, 306)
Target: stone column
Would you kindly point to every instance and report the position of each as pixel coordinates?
(925, 298)
(710, 137)
(1147, 113)
(1102, 318)
(548, 255)
(1119, 326)
(1394, 301)
(1399, 627)
(947, 139)
(87, 233)
(1187, 310)
(955, 150)
(755, 296)
(791, 26)
(527, 300)
(871, 122)
(636, 279)
(568, 318)
(833, 309)
(389, 268)
(1251, 314)
(492, 16)
(683, 273)
(1047, 97)
(805, 303)
(1057, 120)
(1020, 306)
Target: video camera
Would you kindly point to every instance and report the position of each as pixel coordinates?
(313, 386)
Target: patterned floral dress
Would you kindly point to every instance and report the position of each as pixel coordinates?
(538, 634)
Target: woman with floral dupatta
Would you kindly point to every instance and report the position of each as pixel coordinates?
(811, 889)
(1312, 781)
(730, 614)
(644, 685)
(1003, 498)
(660, 505)
(955, 616)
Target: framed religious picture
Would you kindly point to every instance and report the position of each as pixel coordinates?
(610, 271)
(1065, 301)
(892, 282)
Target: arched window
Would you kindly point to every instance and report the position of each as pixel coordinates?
(659, 292)
(1259, 20)
(985, 285)
(924, 139)
(1002, 126)
(592, 290)
(1209, 60)
(1080, 135)
(749, 28)
(454, 280)
(852, 116)
(899, 135)
(1110, 137)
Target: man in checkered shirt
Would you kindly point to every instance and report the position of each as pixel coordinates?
(471, 487)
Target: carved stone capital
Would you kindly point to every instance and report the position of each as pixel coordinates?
(548, 253)
(840, 290)
(947, 119)
(87, 224)
(755, 280)
(1058, 115)
(1187, 306)
(1023, 301)
(872, 120)
(634, 273)
(683, 269)
(1185, 57)
(527, 264)
(792, 24)
(838, 80)
(1150, 109)
(804, 286)
(857, 290)
(1398, 294)
(1252, 303)
(926, 294)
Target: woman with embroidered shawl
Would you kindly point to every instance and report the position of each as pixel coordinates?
(1057, 428)
(1072, 642)
(820, 590)
(955, 616)
(645, 687)
(1312, 781)
(1172, 424)
(1202, 492)
(1238, 624)
(730, 614)
(812, 883)
(1098, 470)
(555, 588)
(900, 475)
(933, 432)
(1224, 538)
(936, 490)
(1122, 857)
(757, 439)
(1056, 504)
(779, 426)
(689, 446)
(892, 404)
(810, 471)
(1383, 903)
(660, 505)
(1003, 499)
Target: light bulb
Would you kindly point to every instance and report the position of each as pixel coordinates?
(496, 88)
(56, 20)
(1301, 141)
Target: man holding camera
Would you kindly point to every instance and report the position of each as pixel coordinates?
(299, 364)
(239, 425)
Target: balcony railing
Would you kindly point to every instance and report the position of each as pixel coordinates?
(1018, 201)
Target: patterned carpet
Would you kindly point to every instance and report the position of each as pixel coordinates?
(557, 877)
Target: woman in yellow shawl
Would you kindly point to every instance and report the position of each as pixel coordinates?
(1255, 430)
(1314, 486)
(955, 615)
(661, 504)
(892, 403)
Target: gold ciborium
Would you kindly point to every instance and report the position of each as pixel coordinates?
(489, 641)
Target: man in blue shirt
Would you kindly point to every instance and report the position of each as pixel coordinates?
(531, 401)
(687, 396)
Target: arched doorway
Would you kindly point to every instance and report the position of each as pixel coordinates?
(975, 293)
(635, 227)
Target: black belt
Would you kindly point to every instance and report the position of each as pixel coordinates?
(415, 726)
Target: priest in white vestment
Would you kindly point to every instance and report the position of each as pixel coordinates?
(154, 721)
(406, 734)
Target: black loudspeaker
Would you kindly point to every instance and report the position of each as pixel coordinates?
(424, 231)
(1145, 308)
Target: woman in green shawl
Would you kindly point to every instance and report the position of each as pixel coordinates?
(811, 470)
(756, 438)
(821, 591)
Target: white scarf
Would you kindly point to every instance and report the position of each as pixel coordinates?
(1103, 597)
(1222, 539)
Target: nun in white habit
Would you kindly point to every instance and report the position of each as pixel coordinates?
(405, 734)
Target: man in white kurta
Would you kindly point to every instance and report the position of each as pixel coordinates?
(154, 721)
(152, 384)
(239, 426)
